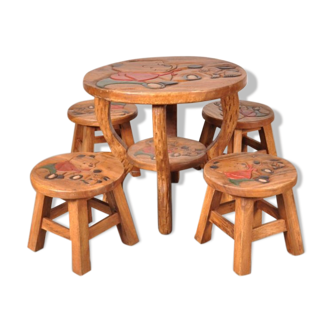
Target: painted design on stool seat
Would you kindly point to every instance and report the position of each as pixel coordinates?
(174, 150)
(245, 111)
(252, 172)
(81, 167)
(116, 108)
(157, 74)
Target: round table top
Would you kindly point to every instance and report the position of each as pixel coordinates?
(165, 80)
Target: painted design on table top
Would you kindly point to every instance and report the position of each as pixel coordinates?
(245, 111)
(79, 168)
(260, 171)
(157, 74)
(175, 149)
(117, 109)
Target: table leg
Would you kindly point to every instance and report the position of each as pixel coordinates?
(172, 120)
(163, 169)
(172, 131)
(230, 106)
(118, 147)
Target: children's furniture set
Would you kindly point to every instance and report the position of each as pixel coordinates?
(237, 181)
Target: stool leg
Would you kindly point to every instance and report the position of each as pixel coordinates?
(175, 177)
(109, 198)
(237, 141)
(126, 227)
(79, 235)
(127, 136)
(88, 139)
(207, 133)
(77, 139)
(287, 210)
(244, 146)
(211, 202)
(244, 216)
(41, 210)
(258, 215)
(230, 146)
(268, 139)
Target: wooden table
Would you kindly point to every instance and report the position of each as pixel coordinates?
(164, 83)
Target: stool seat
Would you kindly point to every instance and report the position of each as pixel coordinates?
(83, 113)
(250, 175)
(252, 115)
(77, 175)
(183, 153)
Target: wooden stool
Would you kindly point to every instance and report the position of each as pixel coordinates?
(86, 124)
(77, 178)
(250, 177)
(252, 117)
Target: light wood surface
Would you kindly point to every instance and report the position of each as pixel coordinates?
(83, 113)
(165, 80)
(248, 204)
(250, 174)
(77, 175)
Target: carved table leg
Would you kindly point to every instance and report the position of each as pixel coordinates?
(118, 147)
(163, 169)
(230, 106)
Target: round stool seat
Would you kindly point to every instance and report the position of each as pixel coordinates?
(250, 174)
(83, 113)
(183, 153)
(77, 175)
(252, 115)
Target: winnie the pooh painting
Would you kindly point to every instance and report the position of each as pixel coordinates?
(81, 167)
(158, 74)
